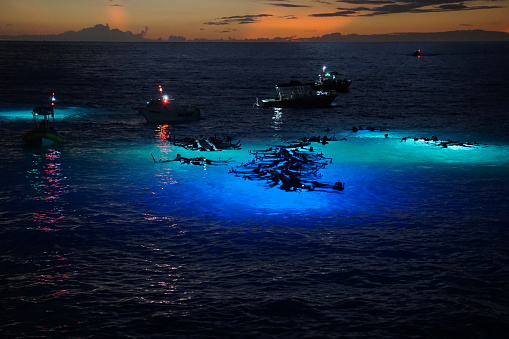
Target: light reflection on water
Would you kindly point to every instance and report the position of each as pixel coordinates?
(49, 186)
(51, 274)
(277, 119)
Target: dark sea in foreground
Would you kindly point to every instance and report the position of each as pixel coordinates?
(99, 241)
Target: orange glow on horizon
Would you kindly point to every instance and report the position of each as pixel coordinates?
(283, 25)
(117, 17)
(223, 19)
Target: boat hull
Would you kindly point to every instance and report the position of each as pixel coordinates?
(324, 100)
(42, 137)
(170, 116)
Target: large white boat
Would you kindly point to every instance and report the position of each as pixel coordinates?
(331, 81)
(165, 109)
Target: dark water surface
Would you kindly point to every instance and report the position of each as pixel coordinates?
(98, 241)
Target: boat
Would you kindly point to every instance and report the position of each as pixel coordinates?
(298, 95)
(166, 110)
(417, 53)
(331, 81)
(43, 133)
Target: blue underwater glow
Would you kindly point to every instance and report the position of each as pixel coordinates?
(17, 113)
(382, 174)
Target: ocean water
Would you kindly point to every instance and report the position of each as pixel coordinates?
(99, 241)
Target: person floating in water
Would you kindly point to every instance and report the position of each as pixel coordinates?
(339, 186)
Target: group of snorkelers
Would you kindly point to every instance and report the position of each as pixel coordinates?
(444, 144)
(214, 143)
(291, 168)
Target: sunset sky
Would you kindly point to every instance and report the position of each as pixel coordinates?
(240, 19)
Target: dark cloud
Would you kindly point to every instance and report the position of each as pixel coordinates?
(453, 7)
(364, 8)
(385, 7)
(116, 5)
(238, 19)
(228, 31)
(397, 8)
(340, 13)
(285, 4)
(367, 2)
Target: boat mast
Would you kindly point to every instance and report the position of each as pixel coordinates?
(52, 104)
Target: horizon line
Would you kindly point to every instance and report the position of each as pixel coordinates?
(103, 33)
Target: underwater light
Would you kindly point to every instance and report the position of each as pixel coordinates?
(24, 112)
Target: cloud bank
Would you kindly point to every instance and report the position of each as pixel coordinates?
(382, 7)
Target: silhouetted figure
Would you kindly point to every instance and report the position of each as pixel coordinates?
(339, 186)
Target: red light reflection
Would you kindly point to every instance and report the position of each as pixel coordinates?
(47, 179)
(163, 132)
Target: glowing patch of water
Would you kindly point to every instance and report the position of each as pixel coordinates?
(383, 176)
(26, 113)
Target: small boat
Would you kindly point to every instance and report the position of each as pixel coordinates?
(331, 81)
(417, 53)
(43, 133)
(297, 95)
(165, 109)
